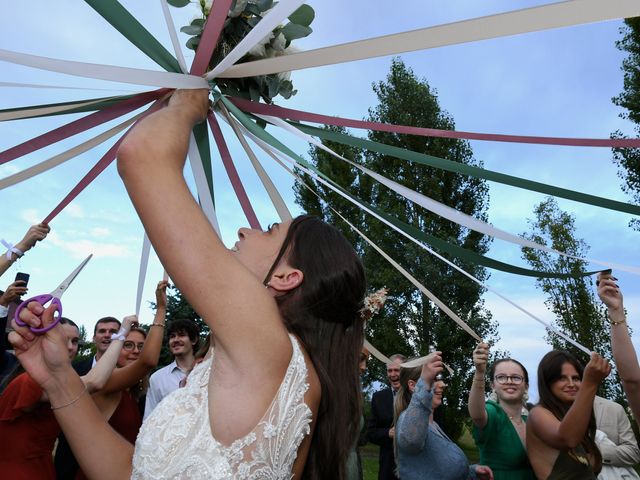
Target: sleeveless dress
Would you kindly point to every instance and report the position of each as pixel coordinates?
(175, 441)
(572, 465)
(500, 446)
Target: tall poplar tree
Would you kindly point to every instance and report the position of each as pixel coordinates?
(628, 159)
(410, 323)
(578, 312)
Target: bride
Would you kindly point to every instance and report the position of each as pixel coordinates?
(281, 396)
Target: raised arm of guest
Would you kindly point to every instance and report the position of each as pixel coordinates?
(477, 409)
(624, 354)
(33, 235)
(11, 294)
(131, 374)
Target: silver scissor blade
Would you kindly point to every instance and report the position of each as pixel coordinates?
(67, 281)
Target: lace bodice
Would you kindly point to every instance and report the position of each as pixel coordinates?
(175, 441)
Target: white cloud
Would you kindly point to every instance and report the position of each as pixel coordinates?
(74, 210)
(31, 216)
(100, 232)
(84, 247)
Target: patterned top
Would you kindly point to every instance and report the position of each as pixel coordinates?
(175, 441)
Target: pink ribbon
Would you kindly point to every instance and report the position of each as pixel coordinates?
(210, 36)
(80, 125)
(96, 170)
(236, 183)
(274, 110)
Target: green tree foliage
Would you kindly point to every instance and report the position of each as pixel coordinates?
(578, 312)
(86, 348)
(628, 159)
(409, 323)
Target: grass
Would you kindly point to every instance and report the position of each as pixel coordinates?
(369, 455)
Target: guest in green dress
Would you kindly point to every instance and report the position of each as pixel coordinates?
(561, 429)
(499, 427)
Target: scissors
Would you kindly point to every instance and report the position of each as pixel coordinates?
(53, 297)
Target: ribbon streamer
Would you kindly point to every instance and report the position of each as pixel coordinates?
(65, 156)
(277, 200)
(112, 73)
(142, 273)
(173, 35)
(556, 15)
(210, 36)
(276, 15)
(11, 249)
(230, 168)
(97, 169)
(80, 125)
(56, 109)
(60, 87)
(299, 115)
(204, 192)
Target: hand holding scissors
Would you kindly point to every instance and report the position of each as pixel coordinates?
(53, 297)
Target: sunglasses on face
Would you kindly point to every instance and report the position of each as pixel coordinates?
(514, 379)
(130, 346)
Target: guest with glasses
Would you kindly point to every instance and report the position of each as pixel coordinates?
(499, 423)
(118, 400)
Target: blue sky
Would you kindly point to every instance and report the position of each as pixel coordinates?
(556, 83)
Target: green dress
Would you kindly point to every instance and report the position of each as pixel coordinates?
(501, 447)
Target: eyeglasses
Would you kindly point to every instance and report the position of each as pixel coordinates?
(515, 379)
(130, 346)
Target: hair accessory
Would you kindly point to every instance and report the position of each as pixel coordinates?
(373, 303)
(84, 390)
(11, 249)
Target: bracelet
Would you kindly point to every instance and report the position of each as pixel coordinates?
(121, 335)
(11, 249)
(84, 390)
(161, 325)
(619, 322)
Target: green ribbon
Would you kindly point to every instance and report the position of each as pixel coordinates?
(470, 170)
(132, 29)
(99, 104)
(201, 134)
(449, 248)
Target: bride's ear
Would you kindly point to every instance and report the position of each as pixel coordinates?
(286, 279)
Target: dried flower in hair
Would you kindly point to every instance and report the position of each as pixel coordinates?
(373, 303)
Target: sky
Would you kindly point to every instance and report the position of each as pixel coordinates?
(552, 83)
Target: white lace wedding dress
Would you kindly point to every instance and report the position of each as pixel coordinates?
(175, 441)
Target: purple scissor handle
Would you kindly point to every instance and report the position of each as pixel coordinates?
(53, 297)
(42, 300)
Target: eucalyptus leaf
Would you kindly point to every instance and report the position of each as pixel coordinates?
(273, 83)
(254, 93)
(238, 8)
(193, 42)
(198, 22)
(303, 16)
(191, 30)
(253, 9)
(253, 21)
(178, 3)
(292, 31)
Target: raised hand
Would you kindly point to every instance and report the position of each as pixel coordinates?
(13, 293)
(596, 370)
(41, 355)
(609, 292)
(194, 104)
(161, 294)
(432, 367)
(33, 235)
(128, 322)
(481, 357)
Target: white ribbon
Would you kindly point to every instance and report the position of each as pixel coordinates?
(59, 87)
(204, 193)
(112, 73)
(11, 249)
(443, 210)
(39, 111)
(556, 15)
(274, 195)
(65, 156)
(276, 15)
(142, 272)
(432, 252)
(174, 36)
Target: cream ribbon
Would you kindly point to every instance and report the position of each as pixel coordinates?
(142, 272)
(38, 111)
(276, 15)
(65, 156)
(112, 73)
(545, 17)
(277, 200)
(174, 36)
(204, 193)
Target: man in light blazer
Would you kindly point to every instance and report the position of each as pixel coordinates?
(613, 421)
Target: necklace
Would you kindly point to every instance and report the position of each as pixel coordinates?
(516, 421)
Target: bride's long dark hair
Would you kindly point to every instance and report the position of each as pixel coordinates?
(324, 313)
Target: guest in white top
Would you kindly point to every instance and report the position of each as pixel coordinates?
(183, 341)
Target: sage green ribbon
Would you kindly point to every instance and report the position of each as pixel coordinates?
(473, 171)
(120, 19)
